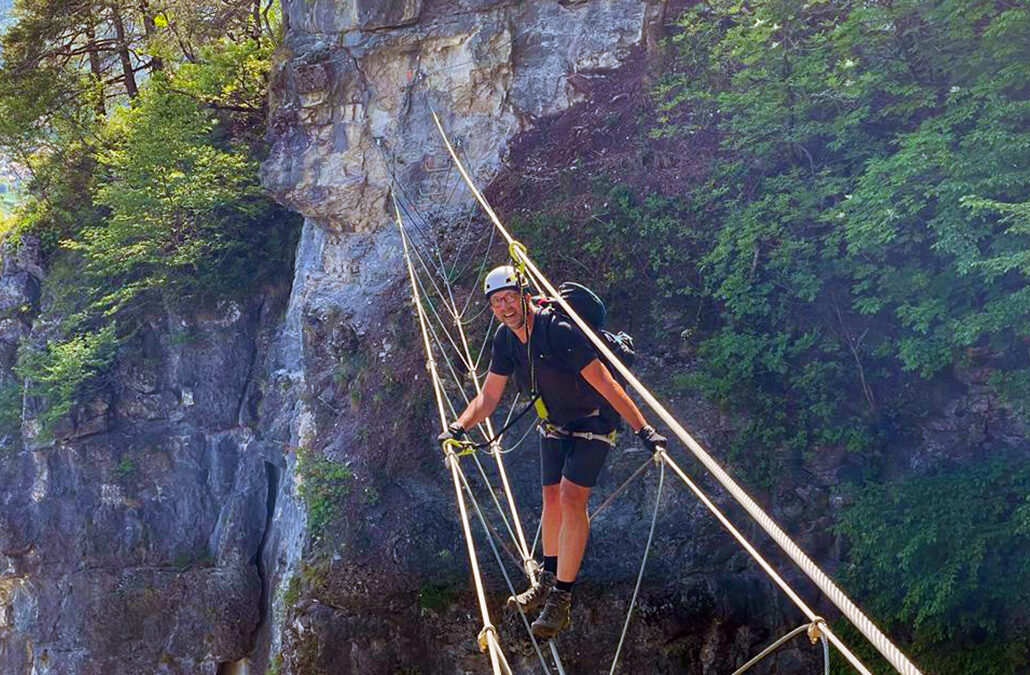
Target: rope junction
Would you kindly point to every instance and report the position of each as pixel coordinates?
(492, 445)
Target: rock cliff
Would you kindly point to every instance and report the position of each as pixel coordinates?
(163, 527)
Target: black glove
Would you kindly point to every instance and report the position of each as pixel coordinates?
(653, 440)
(454, 431)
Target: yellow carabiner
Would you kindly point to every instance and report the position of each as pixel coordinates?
(813, 629)
(541, 409)
(518, 252)
(483, 639)
(459, 448)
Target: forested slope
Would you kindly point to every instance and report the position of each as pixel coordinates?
(822, 217)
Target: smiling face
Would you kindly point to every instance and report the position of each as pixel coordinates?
(508, 308)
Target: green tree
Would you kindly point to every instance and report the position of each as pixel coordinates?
(145, 193)
(868, 202)
(944, 557)
(868, 219)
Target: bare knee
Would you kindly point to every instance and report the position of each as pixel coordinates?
(573, 497)
(552, 495)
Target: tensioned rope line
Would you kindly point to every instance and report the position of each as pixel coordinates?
(432, 331)
(643, 566)
(438, 390)
(525, 620)
(851, 611)
(766, 567)
(811, 628)
(520, 538)
(527, 561)
(482, 521)
(618, 491)
(488, 639)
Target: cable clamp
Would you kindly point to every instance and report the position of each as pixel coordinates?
(483, 637)
(813, 629)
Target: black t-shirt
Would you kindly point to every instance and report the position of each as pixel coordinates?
(559, 352)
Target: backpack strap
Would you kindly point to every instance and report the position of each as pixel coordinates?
(544, 319)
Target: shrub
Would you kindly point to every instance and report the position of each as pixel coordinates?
(323, 484)
(948, 556)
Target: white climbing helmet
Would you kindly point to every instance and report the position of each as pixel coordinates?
(501, 278)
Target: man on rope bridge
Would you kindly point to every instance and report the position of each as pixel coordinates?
(579, 403)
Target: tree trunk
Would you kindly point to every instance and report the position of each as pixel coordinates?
(129, 76)
(256, 34)
(150, 29)
(94, 68)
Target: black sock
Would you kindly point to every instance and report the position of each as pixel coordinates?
(564, 586)
(551, 564)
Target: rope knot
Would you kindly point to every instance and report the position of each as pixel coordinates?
(483, 637)
(813, 629)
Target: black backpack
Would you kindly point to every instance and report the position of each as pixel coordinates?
(591, 309)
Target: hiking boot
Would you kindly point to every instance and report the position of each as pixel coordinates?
(535, 595)
(555, 616)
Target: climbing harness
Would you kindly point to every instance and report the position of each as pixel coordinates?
(548, 430)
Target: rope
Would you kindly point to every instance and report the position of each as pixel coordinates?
(511, 589)
(488, 635)
(503, 475)
(514, 533)
(777, 579)
(557, 659)
(504, 572)
(643, 564)
(639, 472)
(466, 356)
(825, 584)
(776, 645)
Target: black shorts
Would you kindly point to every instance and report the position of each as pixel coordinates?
(578, 459)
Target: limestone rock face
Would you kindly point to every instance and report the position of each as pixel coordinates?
(351, 106)
(130, 536)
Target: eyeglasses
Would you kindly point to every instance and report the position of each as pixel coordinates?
(501, 298)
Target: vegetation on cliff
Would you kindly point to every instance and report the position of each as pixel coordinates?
(141, 128)
(868, 204)
(856, 240)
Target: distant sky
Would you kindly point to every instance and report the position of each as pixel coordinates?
(5, 8)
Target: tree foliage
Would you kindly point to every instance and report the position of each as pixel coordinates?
(869, 203)
(868, 233)
(141, 128)
(945, 558)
